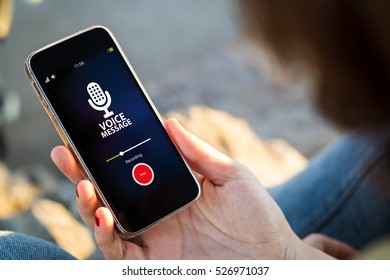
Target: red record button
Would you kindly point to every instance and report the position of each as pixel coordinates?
(143, 174)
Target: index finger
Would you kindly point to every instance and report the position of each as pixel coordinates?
(66, 163)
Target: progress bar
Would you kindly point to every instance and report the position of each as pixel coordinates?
(121, 153)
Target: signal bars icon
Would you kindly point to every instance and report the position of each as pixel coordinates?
(48, 80)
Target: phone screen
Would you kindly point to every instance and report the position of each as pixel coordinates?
(116, 133)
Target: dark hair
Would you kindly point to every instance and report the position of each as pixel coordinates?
(345, 43)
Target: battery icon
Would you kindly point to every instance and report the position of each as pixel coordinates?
(111, 49)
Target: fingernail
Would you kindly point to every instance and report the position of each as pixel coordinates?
(77, 191)
(97, 220)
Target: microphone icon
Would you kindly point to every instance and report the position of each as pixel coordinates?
(100, 100)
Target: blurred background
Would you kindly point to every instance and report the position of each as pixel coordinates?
(158, 37)
(195, 64)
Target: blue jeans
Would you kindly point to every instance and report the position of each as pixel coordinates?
(17, 246)
(344, 192)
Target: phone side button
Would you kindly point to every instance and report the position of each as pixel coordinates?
(53, 119)
(37, 91)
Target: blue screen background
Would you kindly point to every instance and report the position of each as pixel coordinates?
(69, 97)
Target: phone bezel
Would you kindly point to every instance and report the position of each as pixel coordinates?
(77, 52)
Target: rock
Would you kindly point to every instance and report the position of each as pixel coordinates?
(65, 230)
(16, 193)
(51, 221)
(52, 187)
(35, 202)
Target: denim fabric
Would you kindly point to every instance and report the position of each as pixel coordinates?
(16, 246)
(345, 190)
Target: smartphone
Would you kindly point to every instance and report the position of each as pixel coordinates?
(104, 116)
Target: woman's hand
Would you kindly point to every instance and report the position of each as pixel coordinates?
(332, 247)
(234, 218)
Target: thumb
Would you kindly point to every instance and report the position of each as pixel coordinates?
(201, 157)
(330, 246)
